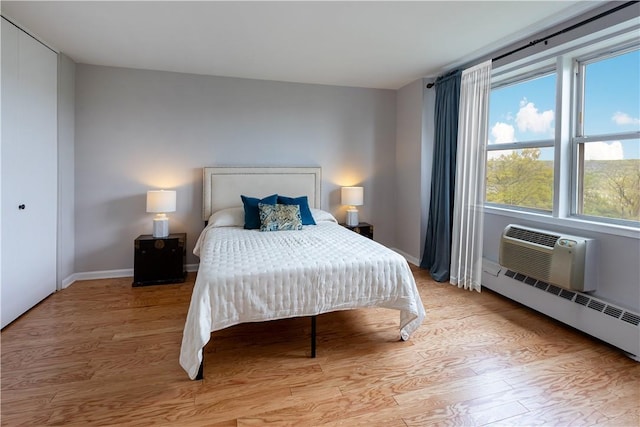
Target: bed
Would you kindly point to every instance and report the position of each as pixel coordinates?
(251, 275)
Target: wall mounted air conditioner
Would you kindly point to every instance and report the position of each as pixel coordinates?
(563, 260)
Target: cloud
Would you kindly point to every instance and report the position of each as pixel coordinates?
(529, 119)
(503, 133)
(603, 151)
(622, 119)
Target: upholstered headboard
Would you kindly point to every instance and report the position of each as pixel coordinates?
(222, 186)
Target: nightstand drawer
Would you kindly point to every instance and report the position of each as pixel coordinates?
(159, 260)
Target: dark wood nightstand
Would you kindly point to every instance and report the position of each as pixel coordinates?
(364, 229)
(159, 260)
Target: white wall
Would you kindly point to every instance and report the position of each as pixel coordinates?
(414, 148)
(137, 130)
(66, 196)
(408, 157)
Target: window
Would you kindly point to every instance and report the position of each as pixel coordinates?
(592, 130)
(606, 136)
(521, 140)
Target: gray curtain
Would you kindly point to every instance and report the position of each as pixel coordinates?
(437, 246)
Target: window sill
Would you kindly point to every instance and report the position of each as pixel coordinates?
(576, 223)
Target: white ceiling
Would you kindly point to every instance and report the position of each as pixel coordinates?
(363, 44)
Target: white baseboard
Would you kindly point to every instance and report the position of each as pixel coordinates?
(413, 260)
(109, 274)
(68, 281)
(104, 274)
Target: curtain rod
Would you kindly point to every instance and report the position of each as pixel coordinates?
(557, 33)
(565, 30)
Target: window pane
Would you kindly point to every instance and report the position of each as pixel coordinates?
(522, 178)
(612, 94)
(611, 181)
(523, 111)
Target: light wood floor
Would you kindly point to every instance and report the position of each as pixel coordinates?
(101, 352)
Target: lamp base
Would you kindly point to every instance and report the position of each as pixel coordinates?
(352, 217)
(161, 226)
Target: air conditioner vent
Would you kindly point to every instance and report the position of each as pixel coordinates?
(530, 281)
(596, 305)
(613, 311)
(582, 300)
(548, 240)
(510, 273)
(631, 318)
(567, 294)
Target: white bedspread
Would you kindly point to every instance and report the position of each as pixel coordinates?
(250, 276)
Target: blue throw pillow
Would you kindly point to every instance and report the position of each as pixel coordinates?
(303, 202)
(251, 211)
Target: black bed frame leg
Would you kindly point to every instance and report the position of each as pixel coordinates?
(313, 336)
(200, 375)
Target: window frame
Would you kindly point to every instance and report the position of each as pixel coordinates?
(563, 60)
(578, 137)
(538, 70)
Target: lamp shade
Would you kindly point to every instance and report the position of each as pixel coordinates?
(161, 201)
(352, 196)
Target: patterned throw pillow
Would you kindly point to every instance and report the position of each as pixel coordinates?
(279, 217)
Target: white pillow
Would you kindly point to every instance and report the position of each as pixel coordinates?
(319, 215)
(231, 217)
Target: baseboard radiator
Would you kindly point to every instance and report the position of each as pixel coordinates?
(610, 323)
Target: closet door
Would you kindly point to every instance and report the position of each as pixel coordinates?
(29, 172)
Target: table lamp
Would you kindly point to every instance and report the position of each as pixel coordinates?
(352, 197)
(161, 202)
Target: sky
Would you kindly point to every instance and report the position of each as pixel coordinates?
(526, 111)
